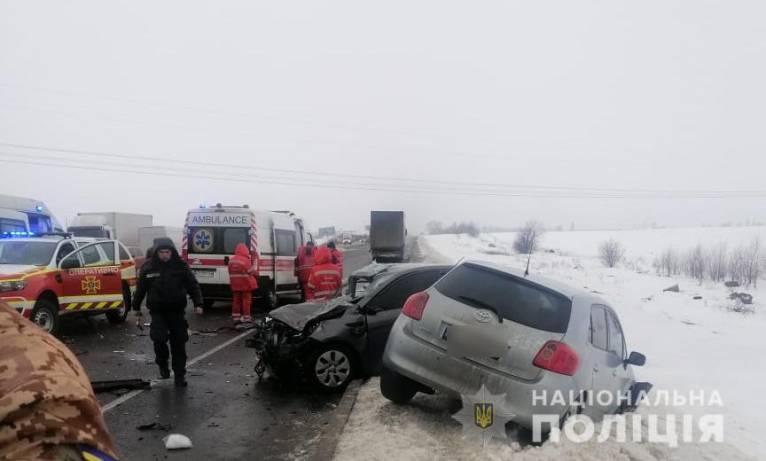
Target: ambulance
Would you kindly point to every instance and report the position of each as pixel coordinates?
(46, 277)
(273, 237)
(20, 214)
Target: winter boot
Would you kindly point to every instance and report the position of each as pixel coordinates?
(164, 370)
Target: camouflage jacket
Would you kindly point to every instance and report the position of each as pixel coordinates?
(47, 407)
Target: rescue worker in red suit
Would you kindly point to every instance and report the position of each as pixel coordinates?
(304, 262)
(336, 256)
(325, 281)
(242, 281)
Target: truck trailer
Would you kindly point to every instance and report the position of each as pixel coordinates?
(388, 236)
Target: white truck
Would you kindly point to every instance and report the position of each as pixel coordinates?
(273, 237)
(146, 236)
(21, 214)
(111, 225)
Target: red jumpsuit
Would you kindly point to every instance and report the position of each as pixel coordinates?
(242, 281)
(303, 264)
(326, 280)
(336, 257)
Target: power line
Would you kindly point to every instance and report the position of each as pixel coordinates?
(381, 188)
(417, 181)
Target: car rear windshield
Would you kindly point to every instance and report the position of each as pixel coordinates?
(508, 296)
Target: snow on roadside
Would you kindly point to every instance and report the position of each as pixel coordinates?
(379, 430)
(691, 345)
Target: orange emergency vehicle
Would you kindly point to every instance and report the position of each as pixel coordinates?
(46, 277)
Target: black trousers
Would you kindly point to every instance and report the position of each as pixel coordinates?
(170, 327)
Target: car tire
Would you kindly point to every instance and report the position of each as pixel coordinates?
(395, 387)
(117, 316)
(46, 316)
(331, 367)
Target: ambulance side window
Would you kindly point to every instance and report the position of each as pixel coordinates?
(286, 243)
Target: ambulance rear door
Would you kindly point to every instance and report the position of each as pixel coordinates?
(286, 242)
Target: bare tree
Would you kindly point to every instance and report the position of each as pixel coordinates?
(528, 237)
(668, 263)
(695, 263)
(754, 263)
(611, 252)
(717, 262)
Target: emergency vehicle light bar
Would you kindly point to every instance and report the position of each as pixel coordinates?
(11, 234)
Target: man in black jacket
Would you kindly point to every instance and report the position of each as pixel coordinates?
(166, 281)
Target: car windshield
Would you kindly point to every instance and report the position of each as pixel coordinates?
(26, 253)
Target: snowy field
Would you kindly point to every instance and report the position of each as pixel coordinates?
(691, 345)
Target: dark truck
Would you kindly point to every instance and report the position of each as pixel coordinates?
(388, 236)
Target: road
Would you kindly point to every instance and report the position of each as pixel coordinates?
(225, 411)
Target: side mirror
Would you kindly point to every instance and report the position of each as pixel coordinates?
(636, 358)
(69, 263)
(225, 260)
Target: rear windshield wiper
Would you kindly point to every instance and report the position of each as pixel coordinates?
(478, 303)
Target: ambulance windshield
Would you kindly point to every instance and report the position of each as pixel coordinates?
(26, 253)
(217, 240)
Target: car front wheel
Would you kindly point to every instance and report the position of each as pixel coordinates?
(331, 367)
(46, 316)
(395, 387)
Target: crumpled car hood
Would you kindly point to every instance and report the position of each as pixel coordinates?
(297, 316)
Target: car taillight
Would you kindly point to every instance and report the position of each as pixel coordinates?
(415, 305)
(558, 358)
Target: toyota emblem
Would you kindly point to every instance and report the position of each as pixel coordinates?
(482, 315)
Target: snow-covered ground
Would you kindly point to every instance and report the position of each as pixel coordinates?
(691, 345)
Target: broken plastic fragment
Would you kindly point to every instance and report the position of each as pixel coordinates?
(177, 442)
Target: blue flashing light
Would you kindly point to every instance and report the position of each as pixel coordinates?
(39, 208)
(11, 234)
(202, 205)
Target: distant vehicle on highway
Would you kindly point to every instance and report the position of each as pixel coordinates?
(111, 225)
(346, 238)
(525, 334)
(20, 214)
(388, 236)
(330, 343)
(146, 236)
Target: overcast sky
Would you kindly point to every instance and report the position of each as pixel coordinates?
(631, 95)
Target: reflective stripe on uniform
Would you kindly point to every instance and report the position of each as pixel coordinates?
(327, 272)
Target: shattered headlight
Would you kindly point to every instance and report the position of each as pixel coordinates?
(12, 285)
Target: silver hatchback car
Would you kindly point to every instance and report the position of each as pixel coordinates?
(528, 337)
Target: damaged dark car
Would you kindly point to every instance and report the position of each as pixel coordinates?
(329, 343)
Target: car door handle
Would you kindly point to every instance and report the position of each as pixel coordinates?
(595, 368)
